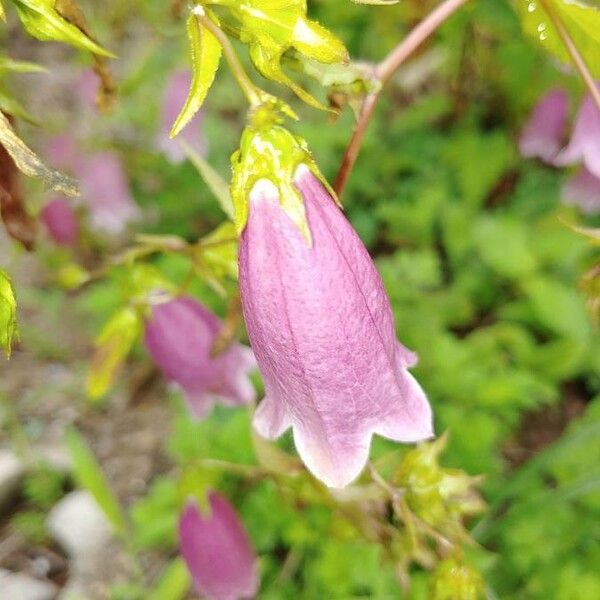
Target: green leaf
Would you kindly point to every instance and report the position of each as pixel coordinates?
(89, 476)
(8, 313)
(42, 21)
(218, 186)
(581, 20)
(20, 66)
(173, 583)
(112, 347)
(206, 55)
(29, 162)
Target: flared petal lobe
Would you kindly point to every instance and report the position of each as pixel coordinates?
(322, 330)
(179, 337)
(584, 145)
(60, 221)
(542, 135)
(583, 190)
(217, 551)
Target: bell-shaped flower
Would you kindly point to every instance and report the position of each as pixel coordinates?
(321, 327)
(192, 134)
(542, 135)
(583, 190)
(218, 551)
(105, 191)
(61, 222)
(584, 145)
(180, 336)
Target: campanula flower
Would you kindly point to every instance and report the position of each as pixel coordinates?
(583, 190)
(217, 551)
(179, 336)
(321, 327)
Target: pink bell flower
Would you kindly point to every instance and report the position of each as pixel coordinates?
(193, 134)
(105, 191)
(321, 327)
(217, 551)
(542, 135)
(585, 141)
(583, 190)
(60, 221)
(179, 337)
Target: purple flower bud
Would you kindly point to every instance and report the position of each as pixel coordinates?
(583, 190)
(105, 191)
(321, 326)
(585, 141)
(179, 336)
(60, 221)
(193, 134)
(542, 136)
(217, 551)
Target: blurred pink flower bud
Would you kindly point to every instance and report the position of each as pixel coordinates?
(583, 190)
(217, 551)
(179, 336)
(105, 191)
(193, 134)
(60, 221)
(86, 88)
(585, 141)
(322, 330)
(542, 135)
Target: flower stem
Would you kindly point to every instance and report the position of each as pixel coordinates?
(384, 71)
(250, 90)
(574, 53)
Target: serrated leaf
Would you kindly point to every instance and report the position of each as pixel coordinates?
(582, 21)
(218, 186)
(8, 313)
(173, 583)
(89, 476)
(206, 55)
(112, 347)
(29, 163)
(42, 21)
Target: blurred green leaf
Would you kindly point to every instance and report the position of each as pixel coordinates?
(206, 55)
(581, 20)
(112, 347)
(20, 66)
(173, 583)
(41, 20)
(89, 476)
(8, 313)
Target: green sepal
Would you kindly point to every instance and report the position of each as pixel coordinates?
(8, 313)
(206, 56)
(269, 151)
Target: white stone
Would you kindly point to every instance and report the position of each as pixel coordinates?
(12, 471)
(17, 586)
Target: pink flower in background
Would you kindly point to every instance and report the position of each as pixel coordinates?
(193, 134)
(63, 153)
(87, 88)
(179, 336)
(217, 551)
(60, 221)
(542, 136)
(585, 141)
(105, 191)
(583, 190)
(322, 330)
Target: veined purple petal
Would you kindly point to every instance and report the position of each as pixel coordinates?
(583, 190)
(105, 191)
(322, 330)
(217, 551)
(60, 221)
(585, 141)
(193, 134)
(542, 135)
(179, 336)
